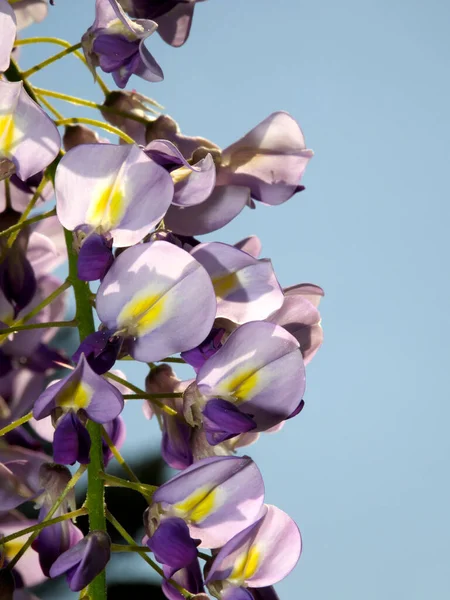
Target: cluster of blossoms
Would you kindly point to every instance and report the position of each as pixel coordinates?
(127, 215)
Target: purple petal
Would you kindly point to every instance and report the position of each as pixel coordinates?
(264, 593)
(8, 29)
(223, 420)
(100, 349)
(71, 441)
(246, 288)
(174, 27)
(251, 244)
(84, 561)
(260, 367)
(219, 496)
(172, 545)
(116, 189)
(198, 356)
(175, 443)
(17, 279)
(81, 389)
(95, 258)
(270, 159)
(190, 578)
(152, 291)
(224, 204)
(236, 593)
(147, 67)
(53, 541)
(310, 291)
(272, 546)
(33, 145)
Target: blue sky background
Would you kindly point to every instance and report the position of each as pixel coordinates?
(364, 469)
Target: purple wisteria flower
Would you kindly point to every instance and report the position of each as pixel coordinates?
(216, 497)
(266, 165)
(84, 561)
(159, 298)
(257, 378)
(55, 539)
(81, 394)
(117, 44)
(174, 17)
(261, 555)
(8, 29)
(246, 288)
(19, 476)
(28, 136)
(299, 315)
(109, 195)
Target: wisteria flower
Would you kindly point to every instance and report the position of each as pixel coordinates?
(255, 380)
(109, 195)
(28, 136)
(159, 298)
(266, 165)
(29, 12)
(117, 44)
(261, 555)
(216, 497)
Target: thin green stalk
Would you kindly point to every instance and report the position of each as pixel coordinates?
(172, 359)
(64, 44)
(15, 328)
(51, 60)
(142, 488)
(129, 548)
(88, 103)
(141, 394)
(50, 514)
(19, 226)
(49, 106)
(118, 456)
(95, 123)
(95, 494)
(16, 423)
(153, 396)
(26, 212)
(43, 524)
(128, 538)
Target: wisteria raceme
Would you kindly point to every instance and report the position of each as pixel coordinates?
(124, 214)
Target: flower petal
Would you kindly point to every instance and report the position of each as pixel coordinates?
(8, 29)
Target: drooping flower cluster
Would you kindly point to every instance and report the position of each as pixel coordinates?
(126, 216)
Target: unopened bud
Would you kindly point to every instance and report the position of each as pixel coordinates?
(76, 135)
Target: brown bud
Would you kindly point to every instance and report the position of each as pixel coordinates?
(76, 135)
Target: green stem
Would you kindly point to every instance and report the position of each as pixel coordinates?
(129, 548)
(64, 44)
(171, 359)
(153, 396)
(19, 226)
(128, 538)
(50, 514)
(83, 102)
(26, 212)
(118, 456)
(142, 488)
(95, 493)
(16, 423)
(95, 123)
(51, 60)
(15, 328)
(39, 526)
(50, 107)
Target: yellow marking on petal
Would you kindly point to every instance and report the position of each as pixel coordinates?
(180, 174)
(225, 284)
(107, 207)
(142, 313)
(199, 505)
(12, 548)
(7, 131)
(74, 395)
(243, 384)
(246, 565)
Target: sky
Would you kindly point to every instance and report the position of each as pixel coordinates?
(364, 469)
